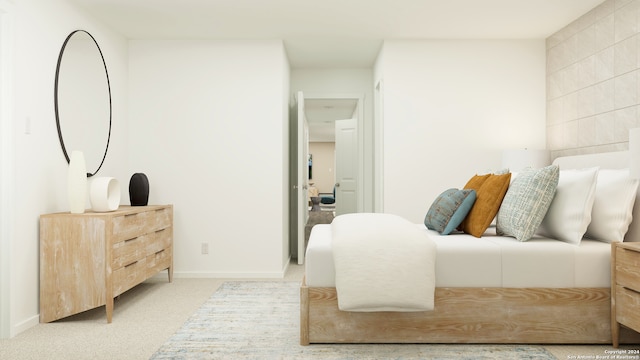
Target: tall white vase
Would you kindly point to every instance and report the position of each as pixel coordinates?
(77, 182)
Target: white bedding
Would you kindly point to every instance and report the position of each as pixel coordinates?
(371, 252)
(490, 261)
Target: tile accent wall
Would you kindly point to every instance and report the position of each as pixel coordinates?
(593, 80)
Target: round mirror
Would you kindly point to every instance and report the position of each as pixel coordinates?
(83, 100)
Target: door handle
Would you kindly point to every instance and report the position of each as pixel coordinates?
(337, 184)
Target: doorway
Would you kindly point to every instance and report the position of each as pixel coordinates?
(327, 150)
(321, 112)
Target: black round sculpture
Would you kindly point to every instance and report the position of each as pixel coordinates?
(139, 189)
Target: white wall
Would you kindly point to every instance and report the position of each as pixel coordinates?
(39, 168)
(324, 165)
(209, 127)
(450, 107)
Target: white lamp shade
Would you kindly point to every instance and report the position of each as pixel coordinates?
(518, 159)
(104, 194)
(634, 153)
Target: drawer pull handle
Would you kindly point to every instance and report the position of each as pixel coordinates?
(128, 240)
(631, 290)
(133, 263)
(129, 215)
(161, 230)
(158, 252)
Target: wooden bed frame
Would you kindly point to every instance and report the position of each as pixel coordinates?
(480, 315)
(469, 315)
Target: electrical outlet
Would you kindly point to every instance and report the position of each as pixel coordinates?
(205, 248)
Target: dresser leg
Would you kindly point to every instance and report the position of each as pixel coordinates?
(109, 307)
(170, 273)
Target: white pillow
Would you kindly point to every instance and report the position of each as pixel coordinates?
(613, 205)
(569, 214)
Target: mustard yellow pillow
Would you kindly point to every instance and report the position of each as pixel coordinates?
(490, 190)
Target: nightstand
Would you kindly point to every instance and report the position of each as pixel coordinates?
(625, 288)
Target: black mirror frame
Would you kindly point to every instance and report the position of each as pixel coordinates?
(55, 95)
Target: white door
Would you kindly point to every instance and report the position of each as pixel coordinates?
(346, 166)
(302, 185)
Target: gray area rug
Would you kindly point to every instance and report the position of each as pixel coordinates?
(315, 218)
(260, 320)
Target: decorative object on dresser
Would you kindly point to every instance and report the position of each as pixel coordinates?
(104, 194)
(625, 288)
(139, 189)
(77, 182)
(86, 260)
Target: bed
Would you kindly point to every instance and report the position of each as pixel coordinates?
(490, 288)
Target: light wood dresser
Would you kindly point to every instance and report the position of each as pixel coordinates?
(88, 259)
(625, 288)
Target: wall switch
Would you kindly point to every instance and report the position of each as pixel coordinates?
(204, 249)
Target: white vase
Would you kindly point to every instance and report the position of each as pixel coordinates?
(104, 194)
(77, 183)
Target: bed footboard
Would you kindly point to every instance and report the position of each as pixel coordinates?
(468, 315)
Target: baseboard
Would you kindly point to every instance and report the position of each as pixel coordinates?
(25, 325)
(222, 275)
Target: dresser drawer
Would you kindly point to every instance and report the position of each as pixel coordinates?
(128, 251)
(627, 305)
(162, 239)
(129, 276)
(131, 225)
(158, 261)
(628, 268)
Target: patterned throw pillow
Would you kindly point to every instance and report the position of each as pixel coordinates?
(449, 209)
(490, 190)
(526, 202)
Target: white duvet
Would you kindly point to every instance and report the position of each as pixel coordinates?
(383, 263)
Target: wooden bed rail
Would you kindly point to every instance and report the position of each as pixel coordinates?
(468, 315)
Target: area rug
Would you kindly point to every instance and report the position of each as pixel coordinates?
(260, 320)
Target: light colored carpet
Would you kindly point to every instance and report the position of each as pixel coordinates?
(146, 316)
(260, 320)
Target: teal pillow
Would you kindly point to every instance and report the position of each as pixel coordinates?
(449, 209)
(526, 202)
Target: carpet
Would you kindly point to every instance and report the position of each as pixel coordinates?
(315, 218)
(260, 320)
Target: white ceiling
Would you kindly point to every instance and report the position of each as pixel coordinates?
(322, 113)
(336, 33)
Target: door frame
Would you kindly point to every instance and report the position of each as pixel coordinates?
(6, 163)
(360, 146)
(378, 150)
(302, 175)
